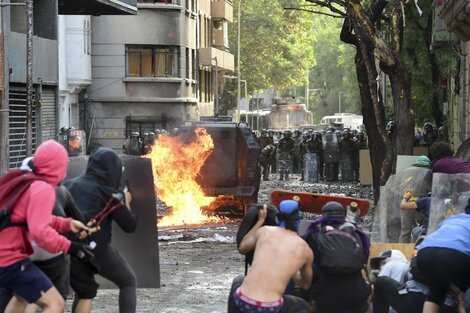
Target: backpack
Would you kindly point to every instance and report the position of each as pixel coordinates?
(12, 187)
(339, 252)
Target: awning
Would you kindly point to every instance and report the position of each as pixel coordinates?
(97, 7)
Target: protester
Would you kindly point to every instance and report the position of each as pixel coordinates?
(444, 259)
(420, 205)
(396, 289)
(444, 160)
(32, 213)
(338, 285)
(97, 194)
(279, 256)
(56, 266)
(418, 178)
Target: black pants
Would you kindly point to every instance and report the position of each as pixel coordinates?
(442, 267)
(116, 269)
(386, 295)
(291, 304)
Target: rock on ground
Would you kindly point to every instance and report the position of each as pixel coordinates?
(197, 265)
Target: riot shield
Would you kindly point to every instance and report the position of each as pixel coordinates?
(139, 248)
(450, 195)
(330, 148)
(310, 167)
(387, 223)
(346, 168)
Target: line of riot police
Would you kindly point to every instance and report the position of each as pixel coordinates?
(138, 144)
(317, 155)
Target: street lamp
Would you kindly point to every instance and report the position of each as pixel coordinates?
(339, 100)
(238, 62)
(307, 95)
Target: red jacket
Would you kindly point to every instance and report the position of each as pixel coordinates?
(35, 207)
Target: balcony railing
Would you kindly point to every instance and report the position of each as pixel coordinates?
(225, 60)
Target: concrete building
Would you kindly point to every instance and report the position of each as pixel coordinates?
(45, 71)
(155, 70)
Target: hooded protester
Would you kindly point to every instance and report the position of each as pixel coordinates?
(34, 222)
(338, 287)
(98, 196)
(280, 256)
(56, 266)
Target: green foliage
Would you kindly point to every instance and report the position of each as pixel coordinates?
(428, 65)
(276, 44)
(334, 72)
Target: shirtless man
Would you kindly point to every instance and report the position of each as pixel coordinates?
(280, 255)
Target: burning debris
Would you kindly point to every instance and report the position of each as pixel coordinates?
(176, 166)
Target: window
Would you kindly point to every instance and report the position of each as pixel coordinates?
(152, 61)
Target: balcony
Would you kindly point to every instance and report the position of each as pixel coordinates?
(97, 7)
(225, 60)
(222, 10)
(456, 15)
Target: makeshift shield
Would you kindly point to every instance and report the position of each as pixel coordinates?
(450, 195)
(139, 248)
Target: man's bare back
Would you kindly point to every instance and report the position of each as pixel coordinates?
(279, 255)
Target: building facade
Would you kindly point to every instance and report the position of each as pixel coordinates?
(155, 70)
(45, 119)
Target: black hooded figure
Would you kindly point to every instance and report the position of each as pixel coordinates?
(93, 192)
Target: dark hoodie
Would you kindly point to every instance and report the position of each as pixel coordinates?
(93, 190)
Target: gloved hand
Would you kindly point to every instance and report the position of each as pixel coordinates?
(81, 251)
(84, 253)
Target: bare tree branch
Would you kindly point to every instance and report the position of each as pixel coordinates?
(316, 12)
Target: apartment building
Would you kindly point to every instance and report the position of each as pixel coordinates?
(155, 70)
(45, 73)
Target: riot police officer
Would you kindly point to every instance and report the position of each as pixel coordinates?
(264, 139)
(360, 143)
(296, 163)
(315, 146)
(428, 134)
(346, 155)
(331, 155)
(391, 125)
(267, 158)
(302, 150)
(285, 152)
(148, 142)
(133, 145)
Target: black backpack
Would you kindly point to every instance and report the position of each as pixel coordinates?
(339, 252)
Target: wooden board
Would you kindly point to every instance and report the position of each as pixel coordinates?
(313, 202)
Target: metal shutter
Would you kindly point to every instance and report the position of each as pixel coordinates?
(48, 115)
(17, 123)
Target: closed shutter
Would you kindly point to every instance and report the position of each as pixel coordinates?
(48, 115)
(17, 123)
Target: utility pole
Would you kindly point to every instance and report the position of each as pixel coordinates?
(238, 62)
(29, 77)
(216, 108)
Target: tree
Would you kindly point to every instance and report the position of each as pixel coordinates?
(361, 28)
(275, 45)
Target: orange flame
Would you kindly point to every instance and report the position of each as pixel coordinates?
(176, 166)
